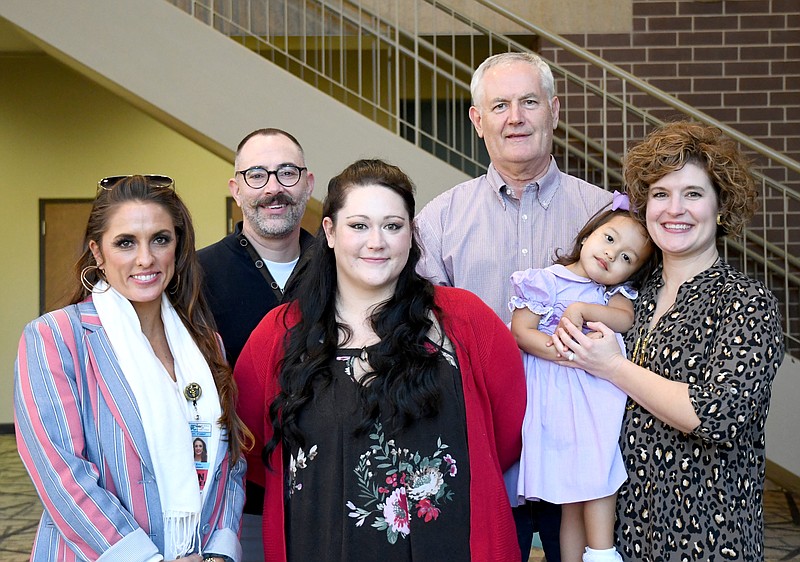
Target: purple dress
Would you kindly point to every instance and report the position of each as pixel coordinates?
(570, 436)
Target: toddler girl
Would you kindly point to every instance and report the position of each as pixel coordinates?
(570, 451)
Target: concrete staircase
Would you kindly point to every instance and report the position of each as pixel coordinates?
(209, 88)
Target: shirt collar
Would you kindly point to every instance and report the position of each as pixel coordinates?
(496, 184)
(549, 184)
(545, 188)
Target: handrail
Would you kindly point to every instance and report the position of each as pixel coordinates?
(660, 95)
(357, 23)
(598, 116)
(656, 93)
(795, 262)
(759, 148)
(595, 146)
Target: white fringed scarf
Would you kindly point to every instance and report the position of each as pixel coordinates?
(165, 411)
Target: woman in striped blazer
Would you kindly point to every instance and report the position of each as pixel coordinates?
(112, 391)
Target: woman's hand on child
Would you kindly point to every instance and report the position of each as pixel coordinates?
(597, 353)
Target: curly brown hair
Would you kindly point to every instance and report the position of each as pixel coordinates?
(670, 147)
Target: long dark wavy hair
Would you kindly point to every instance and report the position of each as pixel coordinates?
(184, 291)
(599, 219)
(403, 385)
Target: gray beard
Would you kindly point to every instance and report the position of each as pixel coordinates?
(277, 227)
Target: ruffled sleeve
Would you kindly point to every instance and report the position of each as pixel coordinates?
(534, 289)
(626, 290)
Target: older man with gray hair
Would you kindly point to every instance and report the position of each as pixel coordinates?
(514, 217)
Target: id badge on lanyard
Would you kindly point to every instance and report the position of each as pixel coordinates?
(201, 433)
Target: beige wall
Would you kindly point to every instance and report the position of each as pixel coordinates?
(53, 117)
(574, 16)
(557, 16)
(60, 133)
(211, 89)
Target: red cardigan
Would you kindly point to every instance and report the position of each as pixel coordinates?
(494, 397)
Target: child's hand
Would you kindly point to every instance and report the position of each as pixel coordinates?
(573, 313)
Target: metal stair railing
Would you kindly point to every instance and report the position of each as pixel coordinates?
(422, 95)
(407, 66)
(768, 249)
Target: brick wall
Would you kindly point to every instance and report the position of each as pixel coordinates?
(736, 60)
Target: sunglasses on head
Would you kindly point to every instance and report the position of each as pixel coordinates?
(154, 180)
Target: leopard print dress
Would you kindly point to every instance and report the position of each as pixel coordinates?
(699, 496)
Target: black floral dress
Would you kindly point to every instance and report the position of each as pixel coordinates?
(699, 496)
(374, 496)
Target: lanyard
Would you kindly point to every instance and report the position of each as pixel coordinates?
(260, 265)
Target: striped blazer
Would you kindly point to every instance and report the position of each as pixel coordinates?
(80, 436)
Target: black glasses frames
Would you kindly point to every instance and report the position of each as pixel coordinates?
(156, 180)
(287, 175)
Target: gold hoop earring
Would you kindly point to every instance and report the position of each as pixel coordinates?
(719, 219)
(87, 284)
(174, 289)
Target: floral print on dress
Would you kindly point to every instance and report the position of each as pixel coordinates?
(299, 463)
(396, 483)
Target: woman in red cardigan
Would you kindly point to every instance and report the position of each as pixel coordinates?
(387, 408)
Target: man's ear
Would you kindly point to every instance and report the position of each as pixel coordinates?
(233, 187)
(310, 182)
(555, 107)
(475, 117)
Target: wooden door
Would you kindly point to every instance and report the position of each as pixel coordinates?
(62, 224)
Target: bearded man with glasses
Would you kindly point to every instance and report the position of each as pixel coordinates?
(251, 271)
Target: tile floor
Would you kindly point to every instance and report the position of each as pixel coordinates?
(19, 505)
(20, 511)
(782, 526)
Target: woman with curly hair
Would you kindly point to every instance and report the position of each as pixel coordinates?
(112, 391)
(388, 407)
(704, 349)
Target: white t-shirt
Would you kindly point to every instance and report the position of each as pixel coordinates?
(281, 271)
